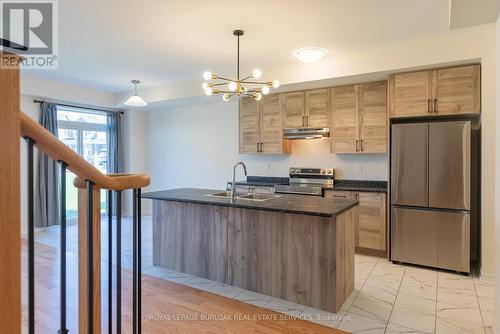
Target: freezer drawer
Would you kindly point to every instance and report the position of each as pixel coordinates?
(433, 238)
(409, 164)
(449, 165)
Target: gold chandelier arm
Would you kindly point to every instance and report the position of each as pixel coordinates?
(246, 78)
(256, 82)
(226, 79)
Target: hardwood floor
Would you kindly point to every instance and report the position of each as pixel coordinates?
(167, 307)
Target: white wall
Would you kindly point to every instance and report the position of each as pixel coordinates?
(136, 152)
(196, 146)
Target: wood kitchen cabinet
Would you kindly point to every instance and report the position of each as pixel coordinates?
(309, 109)
(260, 126)
(371, 232)
(448, 91)
(359, 118)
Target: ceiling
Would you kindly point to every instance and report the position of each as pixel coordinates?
(105, 44)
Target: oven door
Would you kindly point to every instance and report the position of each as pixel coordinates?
(302, 190)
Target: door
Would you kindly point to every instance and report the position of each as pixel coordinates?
(271, 136)
(345, 125)
(373, 117)
(409, 164)
(249, 126)
(371, 225)
(294, 110)
(411, 94)
(449, 165)
(414, 236)
(454, 240)
(317, 108)
(457, 90)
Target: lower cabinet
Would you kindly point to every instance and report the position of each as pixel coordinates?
(371, 232)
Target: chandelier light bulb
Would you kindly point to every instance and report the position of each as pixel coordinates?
(226, 97)
(207, 75)
(232, 86)
(258, 96)
(265, 90)
(256, 73)
(276, 83)
(209, 91)
(205, 86)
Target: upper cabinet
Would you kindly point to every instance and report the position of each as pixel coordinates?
(260, 126)
(449, 91)
(359, 118)
(309, 109)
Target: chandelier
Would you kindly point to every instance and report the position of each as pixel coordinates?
(239, 87)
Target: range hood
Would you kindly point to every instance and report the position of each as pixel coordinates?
(306, 133)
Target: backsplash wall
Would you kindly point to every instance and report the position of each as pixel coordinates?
(196, 146)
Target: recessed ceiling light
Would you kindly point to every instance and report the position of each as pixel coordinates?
(310, 55)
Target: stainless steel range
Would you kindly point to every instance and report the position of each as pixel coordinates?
(307, 181)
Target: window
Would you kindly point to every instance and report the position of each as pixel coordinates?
(85, 132)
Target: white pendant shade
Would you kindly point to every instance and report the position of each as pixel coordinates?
(135, 101)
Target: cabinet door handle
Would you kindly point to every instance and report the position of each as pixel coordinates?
(362, 145)
(303, 123)
(339, 196)
(258, 149)
(436, 106)
(357, 141)
(307, 121)
(429, 106)
(261, 147)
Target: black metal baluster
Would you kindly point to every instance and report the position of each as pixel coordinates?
(139, 263)
(134, 263)
(90, 256)
(63, 329)
(110, 261)
(118, 262)
(31, 240)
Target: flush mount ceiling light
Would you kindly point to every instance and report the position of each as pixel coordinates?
(135, 100)
(310, 55)
(238, 87)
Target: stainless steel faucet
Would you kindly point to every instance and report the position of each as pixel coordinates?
(233, 184)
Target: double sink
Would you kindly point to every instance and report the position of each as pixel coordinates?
(251, 197)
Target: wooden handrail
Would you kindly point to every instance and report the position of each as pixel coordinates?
(58, 151)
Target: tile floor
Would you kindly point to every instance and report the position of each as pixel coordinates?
(388, 298)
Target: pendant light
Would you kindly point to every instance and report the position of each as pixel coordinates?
(246, 86)
(135, 100)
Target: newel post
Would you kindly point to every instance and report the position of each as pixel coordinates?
(89, 304)
(10, 229)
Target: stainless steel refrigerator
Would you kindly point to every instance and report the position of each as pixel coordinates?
(433, 201)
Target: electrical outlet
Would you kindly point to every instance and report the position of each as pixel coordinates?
(359, 168)
(268, 166)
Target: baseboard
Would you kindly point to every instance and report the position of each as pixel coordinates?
(371, 252)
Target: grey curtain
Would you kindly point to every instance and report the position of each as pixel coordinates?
(47, 175)
(114, 139)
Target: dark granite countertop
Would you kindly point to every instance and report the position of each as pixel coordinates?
(308, 205)
(344, 185)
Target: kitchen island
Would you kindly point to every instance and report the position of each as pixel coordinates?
(298, 248)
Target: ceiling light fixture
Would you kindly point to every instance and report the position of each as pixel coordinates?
(310, 55)
(238, 86)
(135, 100)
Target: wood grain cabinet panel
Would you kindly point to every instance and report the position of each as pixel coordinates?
(411, 94)
(249, 126)
(359, 118)
(457, 90)
(317, 108)
(294, 110)
(271, 134)
(447, 91)
(261, 126)
(370, 231)
(373, 117)
(345, 125)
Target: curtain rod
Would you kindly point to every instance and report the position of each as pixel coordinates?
(81, 107)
